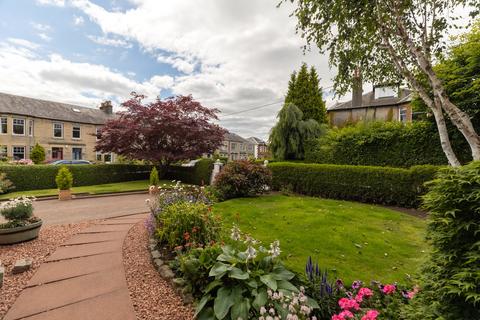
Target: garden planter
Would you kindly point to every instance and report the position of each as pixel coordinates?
(65, 195)
(20, 234)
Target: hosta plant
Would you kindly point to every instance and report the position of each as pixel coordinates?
(241, 278)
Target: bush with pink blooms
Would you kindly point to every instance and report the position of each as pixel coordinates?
(373, 303)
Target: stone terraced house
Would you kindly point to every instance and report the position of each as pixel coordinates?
(235, 147)
(65, 131)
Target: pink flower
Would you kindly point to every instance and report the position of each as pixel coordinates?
(342, 315)
(348, 304)
(370, 315)
(389, 289)
(363, 292)
(411, 294)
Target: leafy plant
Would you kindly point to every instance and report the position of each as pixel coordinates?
(37, 155)
(5, 184)
(18, 212)
(64, 179)
(451, 275)
(154, 180)
(185, 225)
(242, 179)
(241, 280)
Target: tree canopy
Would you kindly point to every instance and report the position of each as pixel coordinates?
(304, 91)
(289, 135)
(161, 131)
(391, 40)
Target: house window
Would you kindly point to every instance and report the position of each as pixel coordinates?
(99, 156)
(57, 130)
(76, 132)
(4, 125)
(234, 146)
(19, 127)
(57, 153)
(97, 133)
(30, 128)
(3, 151)
(77, 153)
(402, 115)
(18, 153)
(107, 157)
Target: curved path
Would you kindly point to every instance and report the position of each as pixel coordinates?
(83, 280)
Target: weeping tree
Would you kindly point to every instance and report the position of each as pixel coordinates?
(289, 135)
(392, 40)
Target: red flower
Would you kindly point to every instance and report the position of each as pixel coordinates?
(186, 236)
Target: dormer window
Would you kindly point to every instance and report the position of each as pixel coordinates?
(385, 92)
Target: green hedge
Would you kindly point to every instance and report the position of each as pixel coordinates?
(382, 185)
(43, 176)
(200, 174)
(383, 144)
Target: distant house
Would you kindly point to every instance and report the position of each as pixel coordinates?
(65, 131)
(384, 103)
(235, 147)
(260, 148)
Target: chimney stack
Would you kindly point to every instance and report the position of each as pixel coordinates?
(106, 106)
(357, 88)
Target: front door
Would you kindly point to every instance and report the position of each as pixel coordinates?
(57, 153)
(77, 153)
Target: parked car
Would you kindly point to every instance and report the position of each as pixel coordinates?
(59, 162)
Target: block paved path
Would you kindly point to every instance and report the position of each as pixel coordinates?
(83, 279)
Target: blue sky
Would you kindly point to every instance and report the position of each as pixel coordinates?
(229, 55)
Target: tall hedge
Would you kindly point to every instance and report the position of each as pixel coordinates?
(450, 286)
(381, 144)
(43, 176)
(199, 174)
(382, 185)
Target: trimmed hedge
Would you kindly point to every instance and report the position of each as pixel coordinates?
(382, 185)
(43, 176)
(200, 174)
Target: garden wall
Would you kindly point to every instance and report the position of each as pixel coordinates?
(382, 185)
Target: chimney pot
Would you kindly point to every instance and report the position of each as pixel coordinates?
(107, 107)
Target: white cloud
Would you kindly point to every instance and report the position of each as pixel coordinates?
(23, 43)
(57, 3)
(234, 54)
(56, 78)
(41, 27)
(110, 42)
(45, 37)
(78, 20)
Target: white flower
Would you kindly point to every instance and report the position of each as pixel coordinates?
(263, 310)
(275, 249)
(272, 311)
(251, 253)
(236, 234)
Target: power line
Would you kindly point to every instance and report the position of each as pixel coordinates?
(262, 106)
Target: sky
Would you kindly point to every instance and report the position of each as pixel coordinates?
(231, 55)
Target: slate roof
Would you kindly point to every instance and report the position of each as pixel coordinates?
(235, 138)
(18, 105)
(368, 100)
(256, 140)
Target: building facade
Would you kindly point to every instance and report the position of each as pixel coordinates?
(260, 148)
(235, 147)
(383, 103)
(65, 131)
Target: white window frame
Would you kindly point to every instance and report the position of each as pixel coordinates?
(53, 130)
(400, 110)
(2, 123)
(31, 127)
(98, 154)
(13, 127)
(5, 147)
(79, 132)
(24, 151)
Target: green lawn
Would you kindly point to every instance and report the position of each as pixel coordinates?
(359, 241)
(96, 189)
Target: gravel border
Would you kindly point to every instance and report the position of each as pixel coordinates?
(152, 297)
(38, 250)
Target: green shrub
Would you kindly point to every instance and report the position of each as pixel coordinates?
(43, 176)
(64, 179)
(382, 185)
(154, 180)
(451, 275)
(380, 144)
(37, 155)
(184, 225)
(242, 179)
(5, 184)
(19, 209)
(199, 174)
